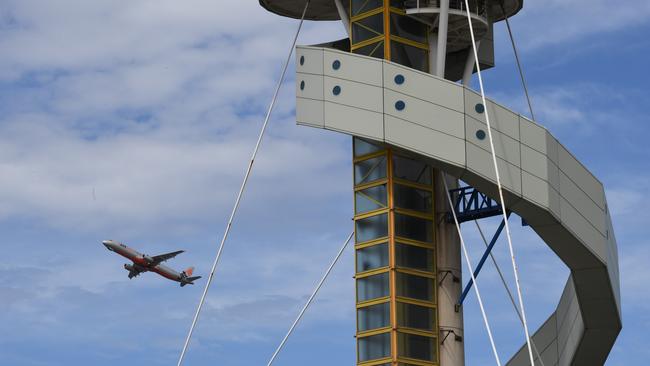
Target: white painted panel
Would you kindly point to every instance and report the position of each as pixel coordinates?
(583, 230)
(353, 94)
(581, 176)
(552, 147)
(501, 118)
(425, 141)
(354, 121)
(480, 162)
(583, 204)
(313, 60)
(310, 112)
(424, 86)
(532, 134)
(505, 147)
(426, 114)
(313, 86)
(569, 348)
(534, 162)
(536, 190)
(353, 67)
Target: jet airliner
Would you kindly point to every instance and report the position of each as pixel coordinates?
(145, 263)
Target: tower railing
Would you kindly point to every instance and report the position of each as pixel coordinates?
(476, 6)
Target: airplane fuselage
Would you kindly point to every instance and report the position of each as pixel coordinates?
(144, 263)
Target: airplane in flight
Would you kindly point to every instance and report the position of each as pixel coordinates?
(145, 263)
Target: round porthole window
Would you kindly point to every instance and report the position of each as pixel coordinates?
(336, 90)
(336, 65)
(480, 134)
(480, 108)
(399, 79)
(302, 85)
(400, 105)
(302, 60)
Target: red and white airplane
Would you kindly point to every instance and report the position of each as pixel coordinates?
(145, 263)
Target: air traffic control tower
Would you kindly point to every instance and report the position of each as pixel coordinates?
(399, 86)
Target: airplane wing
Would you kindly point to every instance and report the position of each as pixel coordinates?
(157, 259)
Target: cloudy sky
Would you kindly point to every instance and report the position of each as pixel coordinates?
(133, 120)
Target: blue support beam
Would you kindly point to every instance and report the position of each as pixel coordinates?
(470, 204)
(482, 261)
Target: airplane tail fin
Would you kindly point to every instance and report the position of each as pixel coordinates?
(188, 272)
(189, 280)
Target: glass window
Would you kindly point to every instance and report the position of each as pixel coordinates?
(409, 56)
(412, 170)
(373, 317)
(416, 346)
(366, 28)
(374, 347)
(370, 228)
(415, 228)
(372, 257)
(373, 50)
(370, 199)
(372, 287)
(409, 28)
(416, 316)
(413, 199)
(370, 170)
(397, 4)
(363, 147)
(409, 256)
(415, 287)
(362, 6)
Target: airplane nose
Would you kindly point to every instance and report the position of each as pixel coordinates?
(107, 244)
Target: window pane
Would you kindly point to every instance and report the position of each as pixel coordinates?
(374, 347)
(409, 56)
(372, 287)
(415, 287)
(366, 28)
(362, 6)
(363, 147)
(416, 316)
(413, 199)
(372, 257)
(409, 256)
(370, 199)
(370, 170)
(409, 28)
(373, 317)
(412, 170)
(373, 50)
(371, 228)
(414, 228)
(415, 346)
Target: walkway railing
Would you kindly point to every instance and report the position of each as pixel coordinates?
(476, 6)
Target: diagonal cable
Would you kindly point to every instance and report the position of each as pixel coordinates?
(241, 190)
(471, 271)
(503, 203)
(309, 301)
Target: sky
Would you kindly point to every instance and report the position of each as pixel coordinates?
(134, 121)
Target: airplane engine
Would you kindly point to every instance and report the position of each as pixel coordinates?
(148, 258)
(128, 267)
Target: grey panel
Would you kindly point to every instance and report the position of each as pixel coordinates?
(312, 60)
(354, 94)
(581, 176)
(505, 147)
(480, 162)
(583, 204)
(538, 191)
(358, 122)
(552, 148)
(532, 135)
(309, 86)
(583, 230)
(358, 68)
(545, 339)
(310, 112)
(568, 349)
(425, 114)
(501, 119)
(423, 86)
(538, 165)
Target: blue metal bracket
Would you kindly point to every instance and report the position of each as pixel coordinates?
(470, 204)
(482, 262)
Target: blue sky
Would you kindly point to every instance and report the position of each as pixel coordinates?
(134, 120)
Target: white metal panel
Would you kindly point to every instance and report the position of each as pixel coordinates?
(537, 190)
(312, 60)
(583, 204)
(532, 134)
(552, 147)
(425, 141)
(569, 347)
(505, 147)
(353, 67)
(581, 176)
(425, 114)
(310, 112)
(535, 163)
(480, 162)
(424, 86)
(583, 230)
(354, 94)
(354, 121)
(309, 86)
(501, 119)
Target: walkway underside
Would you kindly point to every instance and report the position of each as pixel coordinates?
(444, 123)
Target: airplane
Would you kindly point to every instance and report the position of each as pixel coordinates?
(145, 263)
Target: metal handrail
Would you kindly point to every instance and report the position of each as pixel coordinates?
(476, 6)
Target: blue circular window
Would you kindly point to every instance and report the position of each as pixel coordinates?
(336, 65)
(400, 105)
(399, 79)
(336, 90)
(480, 134)
(302, 60)
(479, 108)
(302, 85)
